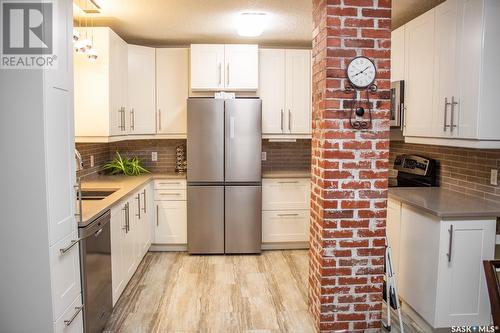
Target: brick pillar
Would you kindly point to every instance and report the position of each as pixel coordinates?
(349, 168)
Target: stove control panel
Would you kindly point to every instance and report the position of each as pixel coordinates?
(413, 164)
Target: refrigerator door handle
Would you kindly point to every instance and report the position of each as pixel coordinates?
(231, 127)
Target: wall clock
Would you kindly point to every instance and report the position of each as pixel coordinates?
(361, 74)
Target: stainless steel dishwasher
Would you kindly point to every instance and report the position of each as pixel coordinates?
(95, 261)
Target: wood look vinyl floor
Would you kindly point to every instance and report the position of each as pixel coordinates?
(176, 292)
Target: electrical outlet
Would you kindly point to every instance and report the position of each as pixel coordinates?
(92, 161)
(264, 156)
(494, 177)
(154, 156)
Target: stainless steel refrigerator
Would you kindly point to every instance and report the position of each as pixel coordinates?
(224, 175)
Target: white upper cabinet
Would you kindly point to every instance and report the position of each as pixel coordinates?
(141, 89)
(101, 88)
(398, 54)
(241, 67)
(285, 90)
(224, 67)
(298, 100)
(419, 75)
(172, 87)
(272, 89)
(451, 61)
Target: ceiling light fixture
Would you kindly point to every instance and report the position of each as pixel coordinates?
(251, 24)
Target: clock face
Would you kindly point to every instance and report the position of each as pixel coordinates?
(361, 72)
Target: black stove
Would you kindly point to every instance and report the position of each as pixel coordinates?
(414, 171)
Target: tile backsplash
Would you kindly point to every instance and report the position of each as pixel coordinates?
(287, 155)
(280, 155)
(462, 170)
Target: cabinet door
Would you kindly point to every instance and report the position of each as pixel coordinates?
(172, 86)
(146, 217)
(285, 226)
(272, 89)
(91, 86)
(445, 68)
(298, 91)
(141, 89)
(462, 297)
(118, 64)
(419, 75)
(241, 64)
(137, 228)
(398, 54)
(394, 232)
(118, 235)
(207, 66)
(171, 222)
(59, 145)
(418, 261)
(470, 64)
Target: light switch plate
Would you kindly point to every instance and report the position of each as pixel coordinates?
(264, 156)
(154, 156)
(92, 161)
(494, 177)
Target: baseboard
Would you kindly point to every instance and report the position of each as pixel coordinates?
(285, 246)
(168, 248)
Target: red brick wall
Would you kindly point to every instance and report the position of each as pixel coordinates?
(349, 168)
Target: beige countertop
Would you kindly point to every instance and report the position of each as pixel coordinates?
(444, 203)
(124, 186)
(287, 174)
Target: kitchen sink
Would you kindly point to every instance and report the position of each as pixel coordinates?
(97, 194)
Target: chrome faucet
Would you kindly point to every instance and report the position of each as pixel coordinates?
(78, 160)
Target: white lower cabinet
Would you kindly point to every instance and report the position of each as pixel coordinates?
(71, 321)
(440, 266)
(285, 213)
(65, 272)
(130, 238)
(170, 224)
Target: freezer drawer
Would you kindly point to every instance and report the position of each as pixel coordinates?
(205, 215)
(243, 140)
(205, 140)
(243, 209)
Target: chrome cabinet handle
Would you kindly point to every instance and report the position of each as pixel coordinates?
(144, 196)
(290, 214)
(170, 183)
(289, 120)
(127, 218)
(288, 182)
(159, 120)
(78, 188)
(401, 115)
(70, 320)
(227, 84)
(122, 118)
(157, 216)
(450, 244)
(138, 206)
(132, 119)
(220, 74)
(446, 103)
(170, 194)
(282, 120)
(452, 121)
(70, 246)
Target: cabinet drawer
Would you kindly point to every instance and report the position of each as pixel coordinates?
(71, 321)
(286, 194)
(170, 184)
(65, 272)
(285, 226)
(170, 195)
